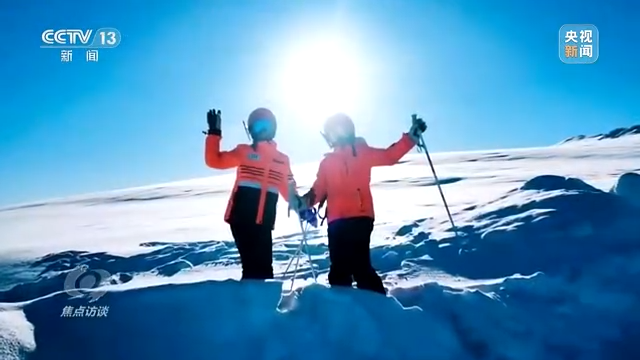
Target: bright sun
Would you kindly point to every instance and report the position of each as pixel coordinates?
(321, 78)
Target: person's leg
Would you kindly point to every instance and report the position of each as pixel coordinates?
(363, 272)
(263, 252)
(243, 237)
(339, 254)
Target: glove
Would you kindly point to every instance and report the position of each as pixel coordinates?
(309, 215)
(214, 120)
(418, 127)
(305, 212)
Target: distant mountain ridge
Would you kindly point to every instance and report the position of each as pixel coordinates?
(613, 134)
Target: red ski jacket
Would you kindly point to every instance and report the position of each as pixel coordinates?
(344, 177)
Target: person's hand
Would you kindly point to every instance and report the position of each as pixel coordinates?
(297, 203)
(214, 120)
(418, 127)
(309, 215)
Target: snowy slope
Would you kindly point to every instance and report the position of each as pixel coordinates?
(546, 267)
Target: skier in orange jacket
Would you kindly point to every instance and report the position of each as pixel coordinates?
(262, 173)
(343, 181)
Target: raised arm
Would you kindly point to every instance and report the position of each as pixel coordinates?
(392, 154)
(213, 157)
(395, 152)
(216, 159)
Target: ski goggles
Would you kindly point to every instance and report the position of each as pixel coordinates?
(261, 125)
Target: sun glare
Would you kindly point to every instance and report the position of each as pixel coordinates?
(321, 78)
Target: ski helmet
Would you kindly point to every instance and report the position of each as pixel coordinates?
(339, 130)
(261, 125)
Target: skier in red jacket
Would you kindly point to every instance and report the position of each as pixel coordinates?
(343, 181)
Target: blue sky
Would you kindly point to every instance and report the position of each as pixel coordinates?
(483, 74)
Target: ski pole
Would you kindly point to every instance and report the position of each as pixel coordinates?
(305, 232)
(303, 243)
(298, 255)
(422, 145)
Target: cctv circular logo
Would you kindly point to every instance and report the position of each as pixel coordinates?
(81, 279)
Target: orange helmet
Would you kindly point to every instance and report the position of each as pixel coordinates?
(339, 130)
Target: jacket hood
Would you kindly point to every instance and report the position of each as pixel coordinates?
(360, 141)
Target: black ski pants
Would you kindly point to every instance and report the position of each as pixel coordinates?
(349, 241)
(255, 246)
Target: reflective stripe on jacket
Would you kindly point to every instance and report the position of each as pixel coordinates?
(262, 173)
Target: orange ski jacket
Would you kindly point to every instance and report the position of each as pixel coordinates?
(344, 177)
(262, 173)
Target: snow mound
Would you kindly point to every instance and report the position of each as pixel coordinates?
(522, 317)
(554, 266)
(230, 320)
(551, 223)
(613, 134)
(628, 186)
(579, 250)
